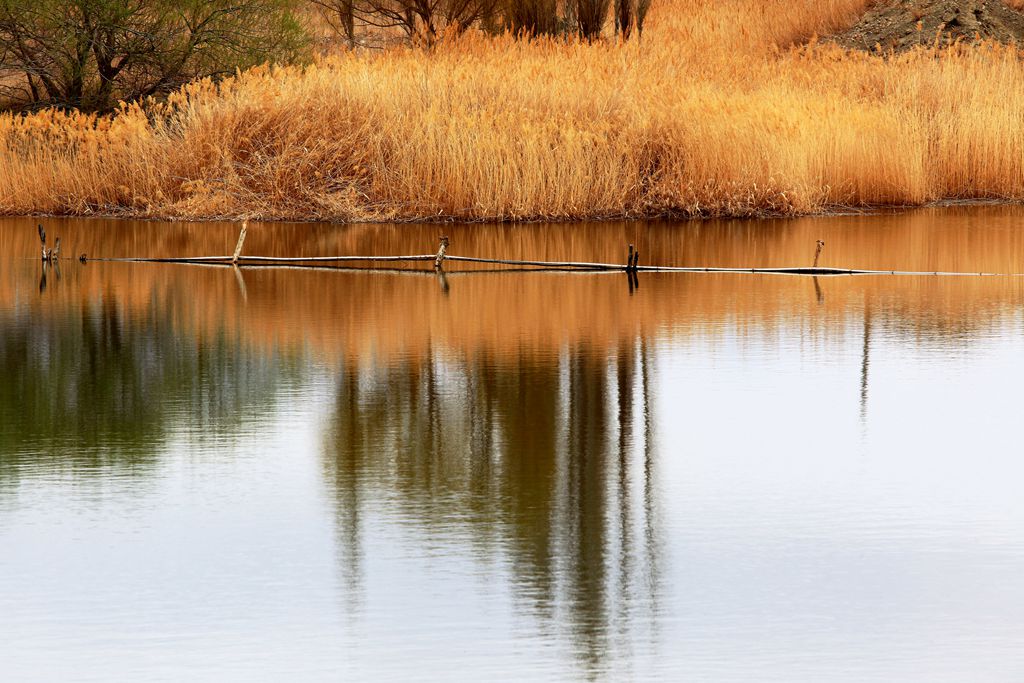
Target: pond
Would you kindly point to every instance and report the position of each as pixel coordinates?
(335, 474)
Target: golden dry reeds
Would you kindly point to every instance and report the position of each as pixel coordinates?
(721, 109)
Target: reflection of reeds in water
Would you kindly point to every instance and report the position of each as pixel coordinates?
(544, 460)
(343, 314)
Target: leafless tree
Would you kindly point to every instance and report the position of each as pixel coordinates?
(340, 15)
(426, 19)
(418, 19)
(591, 16)
(532, 17)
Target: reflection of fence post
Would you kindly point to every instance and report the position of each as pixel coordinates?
(817, 253)
(241, 282)
(631, 263)
(440, 253)
(241, 241)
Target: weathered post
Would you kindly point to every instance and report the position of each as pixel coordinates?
(441, 251)
(817, 253)
(48, 255)
(631, 264)
(241, 241)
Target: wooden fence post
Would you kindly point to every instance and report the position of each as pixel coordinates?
(817, 253)
(441, 251)
(241, 241)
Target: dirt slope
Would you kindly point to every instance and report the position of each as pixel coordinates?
(903, 24)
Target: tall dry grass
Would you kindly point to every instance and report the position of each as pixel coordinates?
(720, 110)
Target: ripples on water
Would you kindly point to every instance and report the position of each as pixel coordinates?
(323, 474)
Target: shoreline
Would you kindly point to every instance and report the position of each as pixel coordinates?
(680, 217)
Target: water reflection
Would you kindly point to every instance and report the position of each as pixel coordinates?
(92, 384)
(44, 271)
(545, 457)
(865, 364)
(330, 309)
(550, 475)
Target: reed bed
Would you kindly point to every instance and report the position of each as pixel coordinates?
(730, 108)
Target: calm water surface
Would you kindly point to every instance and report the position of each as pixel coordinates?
(273, 474)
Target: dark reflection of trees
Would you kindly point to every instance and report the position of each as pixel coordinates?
(546, 459)
(90, 386)
(865, 365)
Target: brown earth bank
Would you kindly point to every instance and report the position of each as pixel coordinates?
(903, 24)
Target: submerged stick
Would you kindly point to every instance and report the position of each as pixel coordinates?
(633, 266)
(530, 266)
(328, 259)
(567, 265)
(226, 260)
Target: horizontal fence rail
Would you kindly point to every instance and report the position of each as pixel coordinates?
(631, 266)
